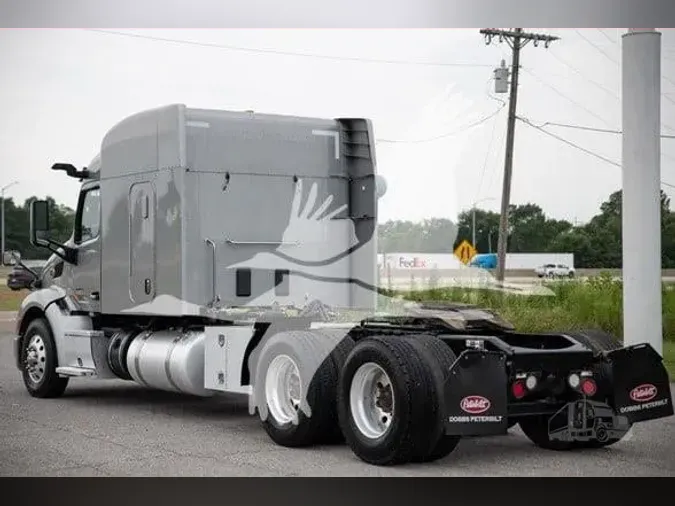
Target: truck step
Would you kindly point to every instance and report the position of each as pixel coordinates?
(75, 371)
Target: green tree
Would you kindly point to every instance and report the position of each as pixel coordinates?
(596, 244)
(17, 227)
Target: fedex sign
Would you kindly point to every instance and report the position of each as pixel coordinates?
(411, 262)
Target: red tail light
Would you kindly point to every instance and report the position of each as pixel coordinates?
(588, 387)
(518, 389)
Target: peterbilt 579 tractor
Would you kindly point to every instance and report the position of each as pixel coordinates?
(218, 252)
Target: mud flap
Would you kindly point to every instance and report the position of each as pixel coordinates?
(586, 420)
(640, 383)
(476, 395)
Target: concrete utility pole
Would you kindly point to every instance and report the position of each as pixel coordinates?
(516, 39)
(641, 187)
(2, 220)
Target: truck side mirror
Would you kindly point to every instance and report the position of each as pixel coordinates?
(39, 222)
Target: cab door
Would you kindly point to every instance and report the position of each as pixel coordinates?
(86, 274)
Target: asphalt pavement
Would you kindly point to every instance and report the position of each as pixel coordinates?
(115, 428)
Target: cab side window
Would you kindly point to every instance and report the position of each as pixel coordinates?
(89, 216)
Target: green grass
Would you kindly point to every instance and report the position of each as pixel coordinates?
(596, 303)
(669, 358)
(9, 300)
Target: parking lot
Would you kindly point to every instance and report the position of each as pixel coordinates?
(120, 429)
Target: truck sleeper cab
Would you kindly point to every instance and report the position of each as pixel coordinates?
(218, 252)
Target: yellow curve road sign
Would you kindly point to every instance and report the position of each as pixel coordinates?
(465, 252)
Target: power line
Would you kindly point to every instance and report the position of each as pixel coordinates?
(580, 148)
(569, 143)
(493, 172)
(606, 36)
(487, 155)
(449, 134)
(286, 53)
(603, 130)
(600, 86)
(593, 129)
(596, 47)
(664, 77)
(665, 95)
(571, 100)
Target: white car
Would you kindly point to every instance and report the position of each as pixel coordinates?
(555, 271)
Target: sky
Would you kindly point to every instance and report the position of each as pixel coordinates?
(63, 89)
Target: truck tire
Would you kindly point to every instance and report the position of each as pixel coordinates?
(39, 377)
(387, 395)
(536, 430)
(339, 356)
(598, 341)
(442, 357)
(300, 411)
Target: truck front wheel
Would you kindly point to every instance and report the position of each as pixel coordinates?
(38, 360)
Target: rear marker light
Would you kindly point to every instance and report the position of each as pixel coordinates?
(531, 382)
(588, 387)
(574, 380)
(518, 390)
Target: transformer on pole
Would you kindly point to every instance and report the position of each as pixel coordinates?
(502, 78)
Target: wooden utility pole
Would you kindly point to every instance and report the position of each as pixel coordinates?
(516, 39)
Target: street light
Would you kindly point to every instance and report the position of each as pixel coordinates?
(2, 219)
(473, 218)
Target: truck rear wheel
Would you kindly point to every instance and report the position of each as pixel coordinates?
(39, 360)
(441, 356)
(536, 430)
(386, 398)
(295, 387)
(599, 341)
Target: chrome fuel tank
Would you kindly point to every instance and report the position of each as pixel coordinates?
(170, 360)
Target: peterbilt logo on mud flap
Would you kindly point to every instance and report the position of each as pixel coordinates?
(475, 404)
(643, 393)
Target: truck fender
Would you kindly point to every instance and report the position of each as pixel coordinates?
(50, 303)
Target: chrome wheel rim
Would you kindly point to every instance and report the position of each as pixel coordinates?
(283, 389)
(36, 359)
(371, 399)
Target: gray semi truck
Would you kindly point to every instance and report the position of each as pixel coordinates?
(218, 252)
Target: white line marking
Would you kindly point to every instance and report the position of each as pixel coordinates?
(330, 133)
